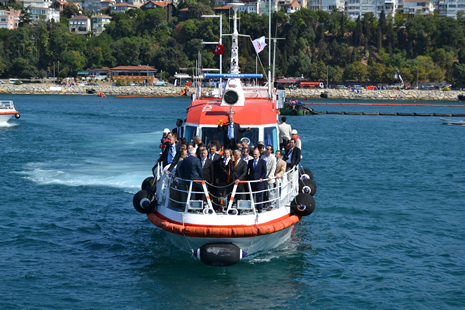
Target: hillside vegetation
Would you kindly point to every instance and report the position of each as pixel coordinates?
(367, 49)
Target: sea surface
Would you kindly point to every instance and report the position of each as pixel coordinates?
(388, 231)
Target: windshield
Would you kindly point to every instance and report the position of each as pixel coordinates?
(190, 133)
(209, 134)
(271, 138)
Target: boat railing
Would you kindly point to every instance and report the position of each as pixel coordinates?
(7, 104)
(197, 195)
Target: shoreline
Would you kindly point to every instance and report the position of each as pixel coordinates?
(50, 89)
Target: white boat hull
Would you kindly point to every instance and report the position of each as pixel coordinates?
(5, 117)
(249, 245)
(446, 121)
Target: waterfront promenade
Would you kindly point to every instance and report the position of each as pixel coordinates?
(109, 90)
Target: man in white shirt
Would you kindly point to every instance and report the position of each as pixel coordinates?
(284, 133)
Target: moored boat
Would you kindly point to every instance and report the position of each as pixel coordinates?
(447, 121)
(296, 108)
(7, 111)
(222, 223)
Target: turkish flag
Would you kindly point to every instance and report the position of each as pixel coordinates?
(219, 50)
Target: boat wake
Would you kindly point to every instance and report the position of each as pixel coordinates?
(6, 124)
(114, 175)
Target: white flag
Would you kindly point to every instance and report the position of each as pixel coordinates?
(259, 44)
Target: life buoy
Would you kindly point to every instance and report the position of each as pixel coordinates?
(17, 116)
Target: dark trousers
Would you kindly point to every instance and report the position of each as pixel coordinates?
(197, 187)
(284, 144)
(258, 196)
(230, 144)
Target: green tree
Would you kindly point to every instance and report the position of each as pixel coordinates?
(356, 71)
(70, 10)
(407, 75)
(376, 72)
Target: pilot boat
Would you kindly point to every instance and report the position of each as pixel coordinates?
(222, 237)
(7, 110)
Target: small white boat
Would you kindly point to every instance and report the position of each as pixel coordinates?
(7, 110)
(447, 121)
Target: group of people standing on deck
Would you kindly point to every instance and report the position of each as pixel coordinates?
(238, 162)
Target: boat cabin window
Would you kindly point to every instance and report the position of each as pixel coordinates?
(190, 133)
(209, 134)
(270, 138)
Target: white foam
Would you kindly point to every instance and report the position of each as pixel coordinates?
(123, 177)
(6, 124)
(112, 169)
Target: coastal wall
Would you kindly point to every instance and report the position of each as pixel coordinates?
(109, 90)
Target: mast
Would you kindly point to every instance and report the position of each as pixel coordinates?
(234, 67)
(270, 87)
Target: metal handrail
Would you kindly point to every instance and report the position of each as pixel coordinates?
(283, 185)
(7, 104)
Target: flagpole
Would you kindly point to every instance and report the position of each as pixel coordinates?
(269, 50)
(221, 55)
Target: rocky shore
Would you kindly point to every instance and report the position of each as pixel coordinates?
(109, 90)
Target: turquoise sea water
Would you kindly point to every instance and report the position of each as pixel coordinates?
(387, 232)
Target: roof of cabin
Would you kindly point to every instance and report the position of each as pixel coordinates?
(255, 112)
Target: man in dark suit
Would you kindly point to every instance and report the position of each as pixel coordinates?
(223, 175)
(207, 167)
(213, 155)
(231, 132)
(171, 154)
(239, 173)
(198, 144)
(257, 171)
(293, 155)
(178, 129)
(191, 169)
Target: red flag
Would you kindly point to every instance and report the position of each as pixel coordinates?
(219, 50)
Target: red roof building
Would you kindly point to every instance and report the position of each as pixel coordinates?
(133, 73)
(167, 6)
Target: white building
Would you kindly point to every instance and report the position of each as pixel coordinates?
(136, 3)
(250, 7)
(289, 7)
(41, 10)
(450, 8)
(330, 5)
(98, 23)
(44, 14)
(411, 8)
(356, 8)
(79, 24)
(121, 8)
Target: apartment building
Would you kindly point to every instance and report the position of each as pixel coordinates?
(356, 8)
(9, 19)
(98, 23)
(410, 8)
(41, 10)
(79, 24)
(450, 8)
